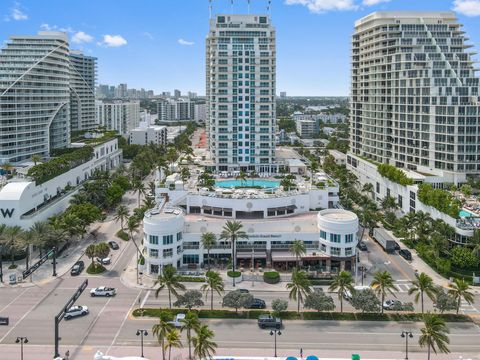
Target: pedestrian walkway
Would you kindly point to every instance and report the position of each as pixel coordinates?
(403, 286)
(468, 309)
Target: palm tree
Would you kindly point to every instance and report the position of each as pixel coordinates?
(232, 230)
(381, 283)
(434, 334)
(367, 188)
(149, 202)
(189, 323)
(36, 159)
(423, 285)
(213, 282)
(299, 287)
(172, 340)
(460, 289)
(298, 249)
(90, 252)
(388, 203)
(287, 183)
(474, 242)
(438, 242)
(138, 187)
(132, 227)
(422, 225)
(170, 280)
(203, 345)
(161, 330)
(39, 233)
(7, 167)
(242, 176)
(342, 283)
(121, 214)
(208, 241)
(12, 236)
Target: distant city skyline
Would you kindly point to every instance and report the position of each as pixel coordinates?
(136, 43)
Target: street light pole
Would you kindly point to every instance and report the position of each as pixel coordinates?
(142, 333)
(406, 335)
(275, 332)
(21, 340)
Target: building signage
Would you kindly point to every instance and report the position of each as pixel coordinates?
(264, 236)
(7, 212)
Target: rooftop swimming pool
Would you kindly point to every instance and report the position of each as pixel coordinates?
(265, 184)
(466, 214)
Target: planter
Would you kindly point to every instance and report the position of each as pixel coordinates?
(271, 277)
(237, 275)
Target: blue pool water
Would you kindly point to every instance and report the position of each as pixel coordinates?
(266, 184)
(465, 214)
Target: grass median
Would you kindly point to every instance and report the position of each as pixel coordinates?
(306, 315)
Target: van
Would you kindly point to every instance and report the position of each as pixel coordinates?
(406, 254)
(347, 295)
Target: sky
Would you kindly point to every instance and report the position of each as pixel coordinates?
(160, 44)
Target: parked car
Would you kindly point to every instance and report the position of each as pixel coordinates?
(104, 261)
(388, 304)
(113, 245)
(258, 304)
(77, 268)
(103, 291)
(268, 321)
(362, 246)
(178, 321)
(406, 254)
(347, 295)
(76, 311)
(397, 246)
(244, 291)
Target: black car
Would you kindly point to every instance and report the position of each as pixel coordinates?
(397, 247)
(113, 245)
(258, 304)
(244, 291)
(362, 246)
(406, 254)
(268, 321)
(77, 268)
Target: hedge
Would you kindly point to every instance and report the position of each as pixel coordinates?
(306, 315)
(122, 235)
(191, 279)
(234, 274)
(441, 200)
(394, 174)
(271, 277)
(95, 269)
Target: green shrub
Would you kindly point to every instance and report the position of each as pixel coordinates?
(463, 257)
(394, 174)
(122, 235)
(271, 277)
(94, 269)
(234, 274)
(320, 282)
(441, 200)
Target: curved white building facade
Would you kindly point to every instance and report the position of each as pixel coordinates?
(338, 232)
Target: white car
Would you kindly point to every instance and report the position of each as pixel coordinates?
(103, 291)
(178, 321)
(75, 311)
(104, 261)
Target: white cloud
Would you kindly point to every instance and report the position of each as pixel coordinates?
(321, 6)
(373, 2)
(48, 27)
(81, 37)
(16, 14)
(113, 41)
(185, 42)
(148, 35)
(467, 7)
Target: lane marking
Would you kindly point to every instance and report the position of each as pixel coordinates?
(11, 302)
(123, 321)
(145, 298)
(90, 327)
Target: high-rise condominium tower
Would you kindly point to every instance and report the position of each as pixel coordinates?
(241, 74)
(415, 97)
(83, 74)
(34, 96)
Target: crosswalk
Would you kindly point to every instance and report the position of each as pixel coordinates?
(467, 308)
(403, 286)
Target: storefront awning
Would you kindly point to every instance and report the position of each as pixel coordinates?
(248, 255)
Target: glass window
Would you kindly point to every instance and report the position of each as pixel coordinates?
(153, 239)
(167, 253)
(179, 236)
(348, 251)
(323, 235)
(167, 239)
(153, 269)
(349, 238)
(335, 238)
(335, 251)
(190, 259)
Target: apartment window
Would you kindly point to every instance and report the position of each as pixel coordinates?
(335, 238)
(400, 201)
(167, 253)
(349, 238)
(179, 236)
(154, 269)
(153, 253)
(323, 235)
(153, 239)
(323, 247)
(190, 259)
(167, 239)
(335, 251)
(348, 251)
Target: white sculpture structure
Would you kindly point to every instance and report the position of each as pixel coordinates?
(99, 356)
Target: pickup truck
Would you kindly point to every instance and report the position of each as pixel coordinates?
(265, 321)
(178, 321)
(103, 291)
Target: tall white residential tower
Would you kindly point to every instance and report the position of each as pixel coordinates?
(241, 75)
(34, 96)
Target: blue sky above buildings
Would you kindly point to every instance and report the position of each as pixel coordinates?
(160, 44)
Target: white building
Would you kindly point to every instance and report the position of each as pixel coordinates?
(331, 118)
(23, 202)
(200, 112)
(273, 218)
(306, 128)
(152, 134)
(339, 157)
(119, 115)
(34, 115)
(240, 92)
(173, 110)
(83, 75)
